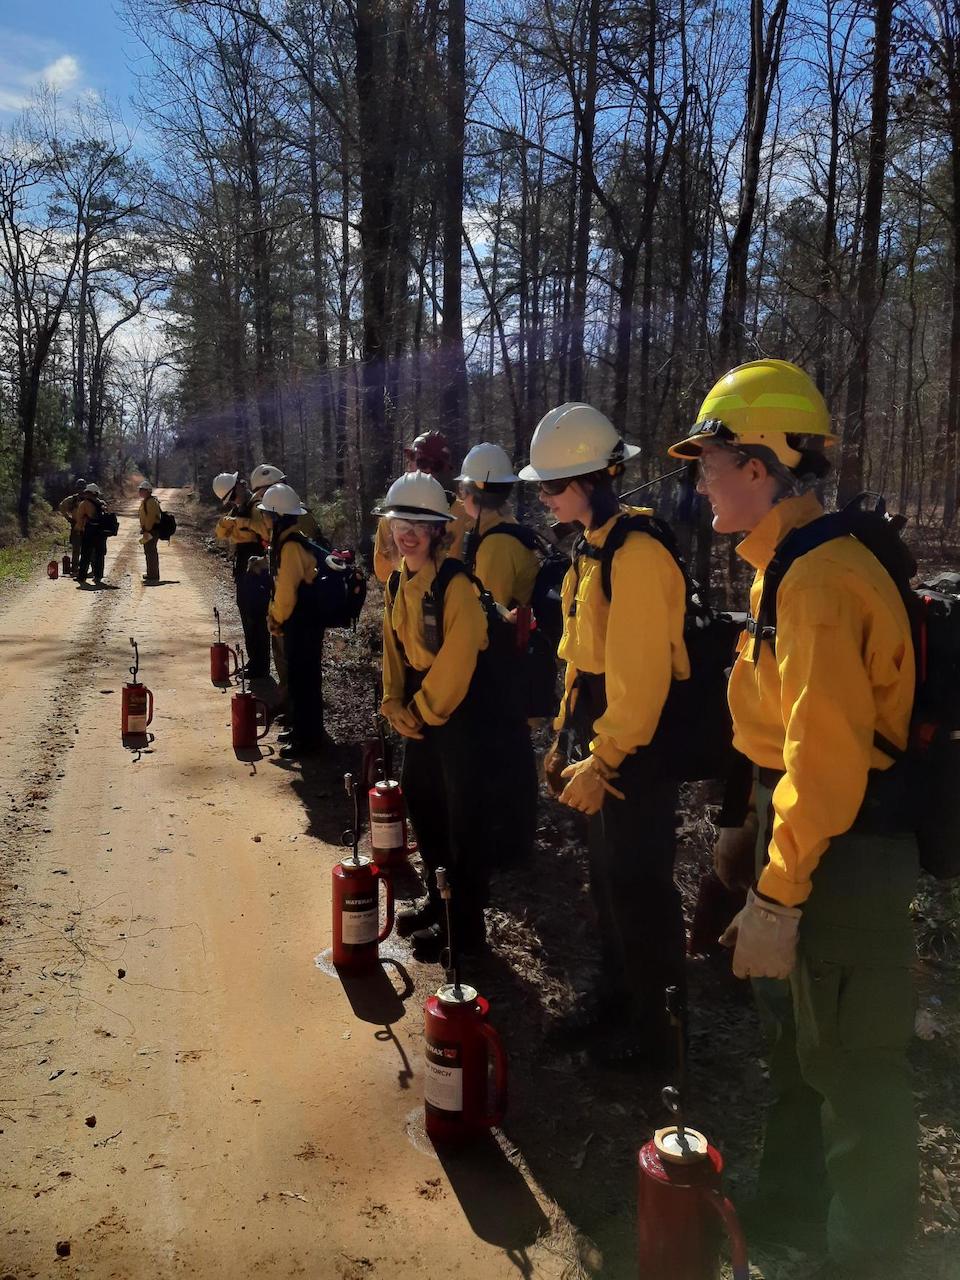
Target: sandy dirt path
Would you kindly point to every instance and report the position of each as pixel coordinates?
(184, 1091)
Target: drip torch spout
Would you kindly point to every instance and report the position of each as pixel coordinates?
(451, 967)
(216, 614)
(353, 836)
(136, 659)
(243, 674)
(674, 1096)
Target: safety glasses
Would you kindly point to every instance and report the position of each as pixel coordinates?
(712, 469)
(553, 488)
(413, 528)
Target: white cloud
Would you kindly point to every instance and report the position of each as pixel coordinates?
(27, 62)
(62, 73)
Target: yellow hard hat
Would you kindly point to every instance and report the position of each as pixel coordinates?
(760, 403)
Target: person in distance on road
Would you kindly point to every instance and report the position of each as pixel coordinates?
(93, 541)
(149, 519)
(68, 509)
(244, 528)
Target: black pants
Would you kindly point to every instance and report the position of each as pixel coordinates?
(516, 795)
(303, 649)
(151, 554)
(445, 780)
(93, 551)
(253, 598)
(75, 539)
(631, 846)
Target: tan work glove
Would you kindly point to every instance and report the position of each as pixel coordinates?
(735, 854)
(554, 763)
(764, 939)
(588, 782)
(403, 719)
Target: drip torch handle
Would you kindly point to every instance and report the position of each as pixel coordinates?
(385, 877)
(738, 1244)
(499, 1074)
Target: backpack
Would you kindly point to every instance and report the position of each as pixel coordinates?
(336, 595)
(920, 791)
(497, 689)
(104, 523)
(539, 676)
(695, 733)
(166, 526)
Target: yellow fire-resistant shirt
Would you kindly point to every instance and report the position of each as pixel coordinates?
(297, 566)
(843, 668)
(86, 510)
(386, 558)
(449, 672)
(635, 640)
(149, 516)
(68, 507)
(250, 528)
(503, 564)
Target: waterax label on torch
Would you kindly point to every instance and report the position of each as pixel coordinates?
(360, 923)
(137, 713)
(443, 1083)
(386, 832)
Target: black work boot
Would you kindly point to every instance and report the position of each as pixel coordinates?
(418, 916)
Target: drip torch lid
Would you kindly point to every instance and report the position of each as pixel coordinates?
(349, 863)
(454, 993)
(386, 784)
(677, 1146)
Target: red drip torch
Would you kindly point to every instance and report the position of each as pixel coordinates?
(388, 813)
(220, 655)
(53, 569)
(680, 1202)
(136, 706)
(246, 712)
(356, 902)
(462, 1053)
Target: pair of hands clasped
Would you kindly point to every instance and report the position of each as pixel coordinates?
(403, 719)
(583, 785)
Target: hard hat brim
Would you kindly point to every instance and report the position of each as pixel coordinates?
(300, 511)
(531, 473)
(411, 513)
(465, 479)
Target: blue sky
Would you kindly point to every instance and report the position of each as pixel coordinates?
(77, 45)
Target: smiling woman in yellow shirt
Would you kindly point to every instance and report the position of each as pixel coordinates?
(436, 697)
(826, 933)
(622, 653)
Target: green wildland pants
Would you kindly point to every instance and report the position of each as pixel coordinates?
(840, 1140)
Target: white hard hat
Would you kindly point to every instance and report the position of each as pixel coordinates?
(265, 475)
(487, 464)
(93, 488)
(145, 484)
(281, 500)
(573, 440)
(225, 483)
(416, 496)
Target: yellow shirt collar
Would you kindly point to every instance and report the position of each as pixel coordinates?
(597, 537)
(758, 546)
(419, 583)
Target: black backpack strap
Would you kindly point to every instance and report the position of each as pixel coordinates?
(393, 586)
(657, 529)
(532, 541)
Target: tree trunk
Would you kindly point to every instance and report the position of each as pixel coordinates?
(453, 397)
(587, 122)
(855, 426)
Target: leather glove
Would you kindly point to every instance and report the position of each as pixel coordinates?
(764, 939)
(554, 763)
(734, 854)
(588, 782)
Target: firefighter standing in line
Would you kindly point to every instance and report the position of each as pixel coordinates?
(244, 528)
(435, 698)
(93, 543)
(292, 566)
(826, 933)
(261, 478)
(430, 455)
(508, 569)
(68, 509)
(621, 657)
(149, 519)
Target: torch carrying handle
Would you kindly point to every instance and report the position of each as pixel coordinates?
(266, 717)
(387, 883)
(499, 1058)
(738, 1244)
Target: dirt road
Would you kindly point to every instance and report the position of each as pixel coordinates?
(185, 1090)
